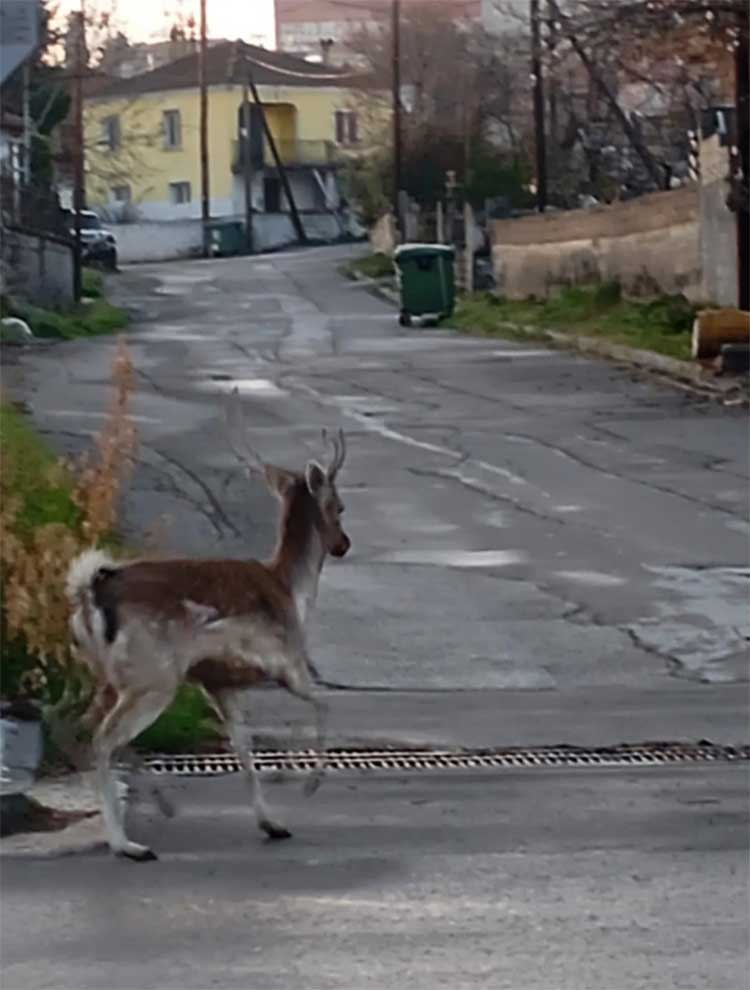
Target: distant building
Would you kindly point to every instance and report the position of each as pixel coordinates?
(125, 59)
(320, 29)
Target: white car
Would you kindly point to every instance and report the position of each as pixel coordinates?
(99, 244)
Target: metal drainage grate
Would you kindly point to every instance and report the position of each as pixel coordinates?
(653, 755)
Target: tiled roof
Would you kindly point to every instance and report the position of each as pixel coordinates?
(269, 69)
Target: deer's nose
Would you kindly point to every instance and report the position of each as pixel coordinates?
(342, 546)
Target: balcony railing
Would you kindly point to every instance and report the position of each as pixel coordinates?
(293, 154)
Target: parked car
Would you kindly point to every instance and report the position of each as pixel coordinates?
(98, 244)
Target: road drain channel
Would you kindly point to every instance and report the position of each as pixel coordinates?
(648, 755)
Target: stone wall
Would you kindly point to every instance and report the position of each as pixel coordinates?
(650, 245)
(37, 268)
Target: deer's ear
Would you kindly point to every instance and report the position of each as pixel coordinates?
(278, 480)
(315, 477)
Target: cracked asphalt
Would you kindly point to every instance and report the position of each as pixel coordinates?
(546, 550)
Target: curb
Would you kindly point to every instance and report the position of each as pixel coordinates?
(732, 391)
(390, 295)
(684, 372)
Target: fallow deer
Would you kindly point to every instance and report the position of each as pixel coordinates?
(144, 627)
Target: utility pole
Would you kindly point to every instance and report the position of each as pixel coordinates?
(396, 45)
(540, 137)
(742, 167)
(205, 188)
(247, 160)
(552, 84)
(79, 192)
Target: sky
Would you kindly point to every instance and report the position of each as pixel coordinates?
(149, 20)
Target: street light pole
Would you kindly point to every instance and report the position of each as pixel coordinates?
(396, 45)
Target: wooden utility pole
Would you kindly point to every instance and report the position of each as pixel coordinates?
(396, 46)
(540, 140)
(551, 79)
(203, 86)
(247, 162)
(79, 192)
(742, 112)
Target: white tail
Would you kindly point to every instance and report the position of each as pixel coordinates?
(144, 627)
(82, 572)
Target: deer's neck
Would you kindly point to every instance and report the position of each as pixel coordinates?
(299, 555)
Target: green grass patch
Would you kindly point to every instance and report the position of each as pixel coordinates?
(372, 266)
(32, 474)
(92, 283)
(90, 318)
(662, 325)
(187, 726)
(85, 320)
(43, 490)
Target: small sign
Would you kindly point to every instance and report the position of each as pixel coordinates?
(19, 33)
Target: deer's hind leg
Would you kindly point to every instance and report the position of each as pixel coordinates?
(134, 711)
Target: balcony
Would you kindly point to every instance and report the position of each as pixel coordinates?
(293, 154)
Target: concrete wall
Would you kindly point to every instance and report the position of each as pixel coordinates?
(718, 236)
(154, 241)
(650, 245)
(37, 268)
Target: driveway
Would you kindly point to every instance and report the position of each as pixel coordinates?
(547, 550)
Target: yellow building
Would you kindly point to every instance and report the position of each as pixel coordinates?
(143, 148)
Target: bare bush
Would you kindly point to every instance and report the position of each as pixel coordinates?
(35, 559)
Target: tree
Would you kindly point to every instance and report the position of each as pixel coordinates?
(627, 80)
(457, 111)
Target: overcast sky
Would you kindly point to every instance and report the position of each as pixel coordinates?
(149, 20)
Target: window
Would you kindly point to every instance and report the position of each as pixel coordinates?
(346, 127)
(112, 136)
(172, 126)
(121, 194)
(179, 192)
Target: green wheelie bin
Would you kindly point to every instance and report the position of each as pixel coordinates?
(225, 237)
(425, 280)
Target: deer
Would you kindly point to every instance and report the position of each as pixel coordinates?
(143, 627)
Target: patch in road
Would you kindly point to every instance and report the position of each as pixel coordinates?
(701, 621)
(409, 626)
(454, 558)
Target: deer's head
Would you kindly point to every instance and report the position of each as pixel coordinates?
(309, 498)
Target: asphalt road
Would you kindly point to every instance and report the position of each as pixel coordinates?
(547, 549)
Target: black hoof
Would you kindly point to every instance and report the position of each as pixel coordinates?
(139, 856)
(276, 831)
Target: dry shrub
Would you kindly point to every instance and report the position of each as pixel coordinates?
(35, 560)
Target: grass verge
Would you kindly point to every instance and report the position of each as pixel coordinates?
(44, 493)
(92, 317)
(662, 325)
(371, 266)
